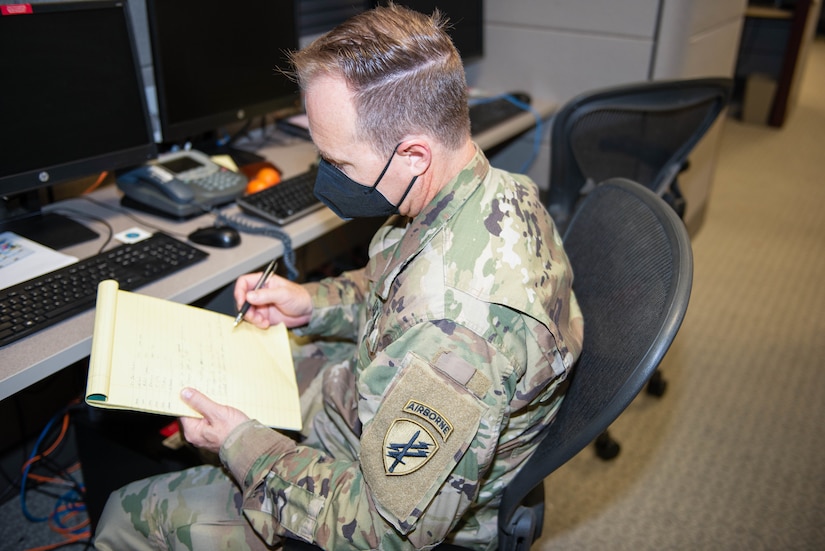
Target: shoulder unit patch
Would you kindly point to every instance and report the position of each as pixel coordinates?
(408, 446)
(423, 428)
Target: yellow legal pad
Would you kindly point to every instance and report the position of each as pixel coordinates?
(146, 349)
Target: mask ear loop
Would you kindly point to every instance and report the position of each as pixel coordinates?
(386, 167)
(409, 187)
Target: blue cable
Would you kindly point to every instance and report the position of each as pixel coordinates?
(538, 129)
(39, 441)
(72, 498)
(74, 503)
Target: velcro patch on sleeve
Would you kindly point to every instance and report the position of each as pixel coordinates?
(419, 433)
(463, 373)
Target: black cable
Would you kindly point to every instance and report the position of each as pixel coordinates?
(59, 471)
(132, 216)
(240, 225)
(81, 214)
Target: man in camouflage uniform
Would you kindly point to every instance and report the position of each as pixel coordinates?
(440, 362)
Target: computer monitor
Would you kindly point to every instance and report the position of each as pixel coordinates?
(72, 105)
(466, 20)
(217, 63)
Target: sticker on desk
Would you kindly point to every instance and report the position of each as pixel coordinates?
(132, 235)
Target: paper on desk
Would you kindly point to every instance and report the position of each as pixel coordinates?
(225, 161)
(22, 259)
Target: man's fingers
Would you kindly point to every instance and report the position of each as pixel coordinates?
(197, 401)
(267, 295)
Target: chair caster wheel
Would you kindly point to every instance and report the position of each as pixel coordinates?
(657, 385)
(606, 447)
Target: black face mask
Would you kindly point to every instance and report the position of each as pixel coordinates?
(349, 199)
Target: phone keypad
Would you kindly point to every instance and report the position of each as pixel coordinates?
(220, 180)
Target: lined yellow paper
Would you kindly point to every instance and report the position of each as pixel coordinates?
(145, 350)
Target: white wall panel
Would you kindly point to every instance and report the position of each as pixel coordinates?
(698, 38)
(714, 52)
(706, 14)
(556, 65)
(622, 17)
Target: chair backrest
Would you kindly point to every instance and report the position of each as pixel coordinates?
(643, 132)
(633, 270)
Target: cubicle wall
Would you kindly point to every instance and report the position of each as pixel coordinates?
(699, 38)
(559, 48)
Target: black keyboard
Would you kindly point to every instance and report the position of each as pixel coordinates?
(285, 201)
(35, 304)
(486, 114)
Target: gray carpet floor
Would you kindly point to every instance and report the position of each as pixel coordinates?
(732, 456)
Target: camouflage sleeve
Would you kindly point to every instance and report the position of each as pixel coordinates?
(423, 455)
(337, 304)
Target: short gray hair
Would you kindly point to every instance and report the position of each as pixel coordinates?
(405, 73)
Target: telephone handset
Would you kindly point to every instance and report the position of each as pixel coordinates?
(180, 184)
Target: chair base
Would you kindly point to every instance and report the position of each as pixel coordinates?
(657, 384)
(606, 447)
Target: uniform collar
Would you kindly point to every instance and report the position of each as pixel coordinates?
(388, 262)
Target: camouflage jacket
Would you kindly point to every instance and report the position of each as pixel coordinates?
(465, 324)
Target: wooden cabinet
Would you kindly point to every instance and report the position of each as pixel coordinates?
(772, 54)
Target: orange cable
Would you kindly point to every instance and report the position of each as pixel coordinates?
(68, 530)
(73, 538)
(97, 183)
(54, 445)
(56, 480)
(50, 480)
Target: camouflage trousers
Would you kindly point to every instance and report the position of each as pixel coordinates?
(199, 508)
(192, 509)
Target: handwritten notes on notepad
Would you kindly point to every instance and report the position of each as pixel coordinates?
(145, 350)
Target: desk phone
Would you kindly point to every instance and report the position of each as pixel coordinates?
(180, 184)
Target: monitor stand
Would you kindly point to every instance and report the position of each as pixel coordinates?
(49, 229)
(21, 214)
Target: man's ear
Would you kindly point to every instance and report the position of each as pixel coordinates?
(417, 155)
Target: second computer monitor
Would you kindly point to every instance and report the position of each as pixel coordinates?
(217, 63)
(466, 22)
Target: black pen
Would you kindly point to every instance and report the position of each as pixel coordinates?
(264, 276)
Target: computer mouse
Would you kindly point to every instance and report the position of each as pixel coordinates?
(216, 236)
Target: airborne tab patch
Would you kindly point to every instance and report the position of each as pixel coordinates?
(435, 418)
(408, 447)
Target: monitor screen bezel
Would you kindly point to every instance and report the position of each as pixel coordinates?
(472, 52)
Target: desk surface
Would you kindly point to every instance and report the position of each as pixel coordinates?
(54, 348)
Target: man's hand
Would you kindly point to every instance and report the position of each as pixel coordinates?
(218, 421)
(279, 300)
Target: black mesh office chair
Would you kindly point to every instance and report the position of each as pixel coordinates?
(633, 273)
(643, 132)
